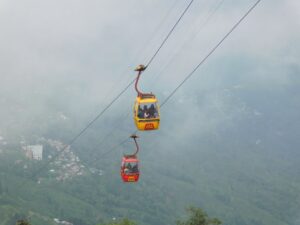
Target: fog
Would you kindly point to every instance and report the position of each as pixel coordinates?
(72, 58)
(62, 62)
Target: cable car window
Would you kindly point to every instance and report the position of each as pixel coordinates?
(131, 167)
(147, 110)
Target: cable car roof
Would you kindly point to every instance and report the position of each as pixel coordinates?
(146, 100)
(130, 159)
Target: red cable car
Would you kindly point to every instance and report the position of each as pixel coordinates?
(130, 165)
(129, 169)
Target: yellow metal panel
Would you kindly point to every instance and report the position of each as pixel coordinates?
(146, 124)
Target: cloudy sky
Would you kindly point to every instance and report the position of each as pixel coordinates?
(82, 53)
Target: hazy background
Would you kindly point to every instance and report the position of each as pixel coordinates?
(61, 63)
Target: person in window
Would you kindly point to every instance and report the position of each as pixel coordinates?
(140, 112)
(128, 168)
(135, 168)
(152, 111)
(146, 113)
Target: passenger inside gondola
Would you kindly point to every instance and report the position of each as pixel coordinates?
(135, 168)
(146, 111)
(140, 112)
(131, 167)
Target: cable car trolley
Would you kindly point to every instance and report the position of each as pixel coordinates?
(146, 108)
(130, 165)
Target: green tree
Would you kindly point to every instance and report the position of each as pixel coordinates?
(198, 217)
(22, 222)
(122, 222)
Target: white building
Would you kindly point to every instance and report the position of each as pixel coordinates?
(36, 151)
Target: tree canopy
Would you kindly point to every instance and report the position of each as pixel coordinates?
(198, 217)
(122, 222)
(22, 222)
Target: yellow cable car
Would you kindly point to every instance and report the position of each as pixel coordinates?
(146, 108)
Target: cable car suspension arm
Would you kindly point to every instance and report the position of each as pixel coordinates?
(140, 69)
(136, 144)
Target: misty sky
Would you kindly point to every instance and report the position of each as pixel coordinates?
(81, 53)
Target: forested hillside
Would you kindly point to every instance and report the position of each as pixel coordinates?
(245, 172)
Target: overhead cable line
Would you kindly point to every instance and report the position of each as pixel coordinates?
(165, 39)
(82, 131)
(104, 138)
(169, 34)
(173, 92)
(113, 148)
(125, 89)
(148, 41)
(159, 48)
(210, 53)
(187, 41)
(110, 150)
(150, 61)
(207, 19)
(157, 28)
(101, 113)
(112, 102)
(196, 68)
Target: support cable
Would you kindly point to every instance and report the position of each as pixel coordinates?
(201, 62)
(113, 101)
(169, 34)
(210, 53)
